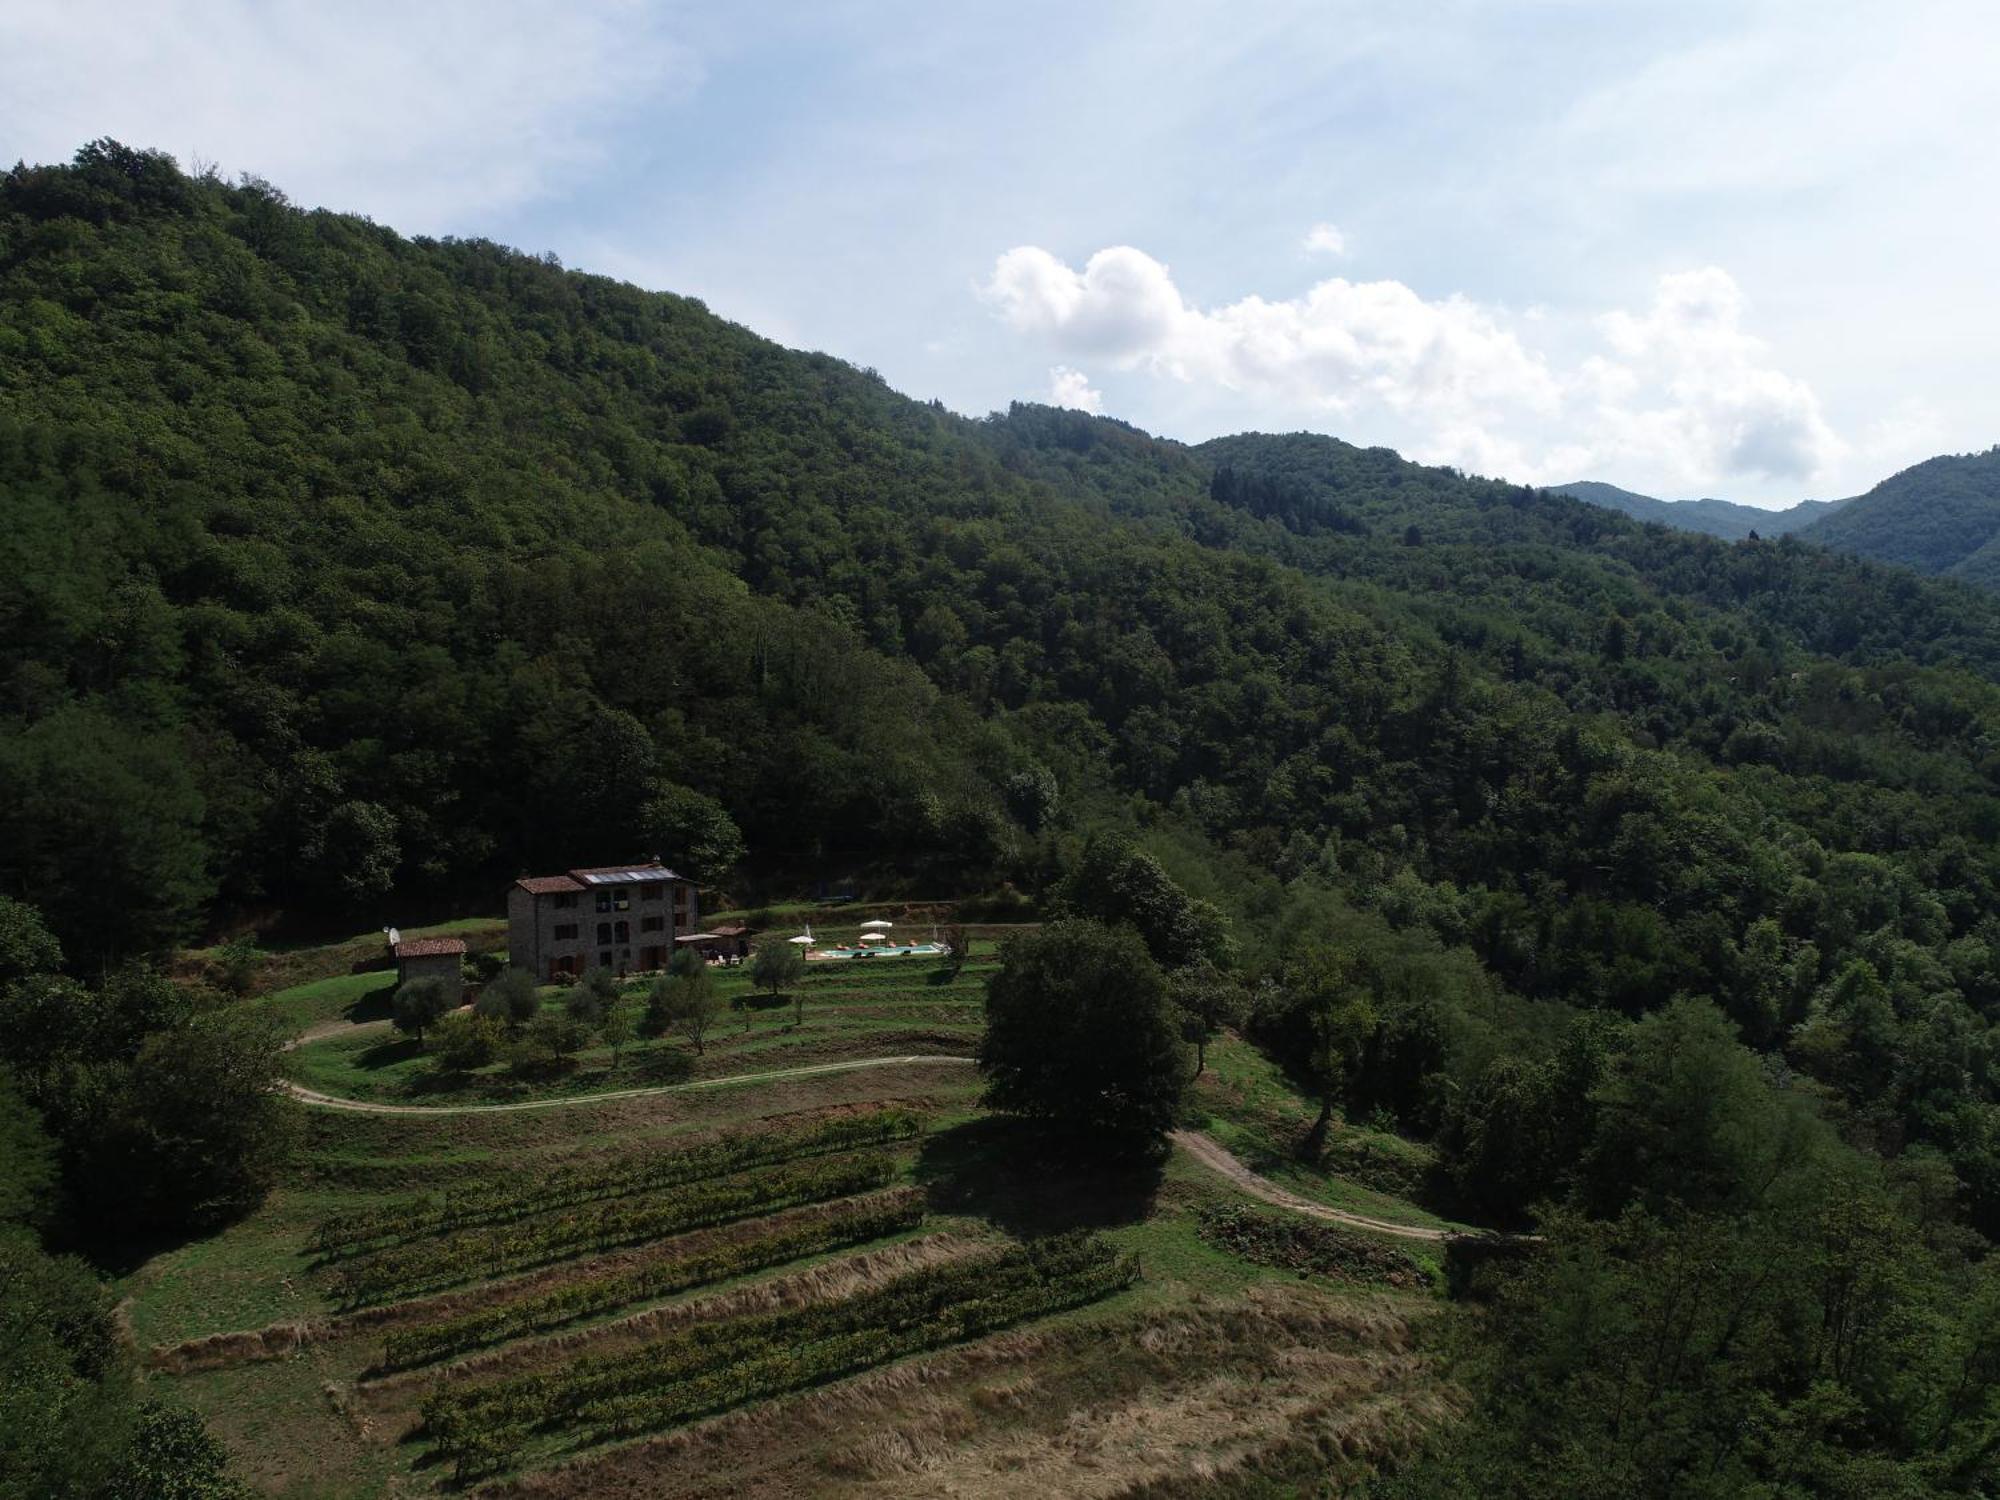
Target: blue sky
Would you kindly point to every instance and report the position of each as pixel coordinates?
(1736, 249)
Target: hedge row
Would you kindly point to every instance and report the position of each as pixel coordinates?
(476, 1254)
(1294, 1244)
(715, 1366)
(510, 1200)
(850, 1226)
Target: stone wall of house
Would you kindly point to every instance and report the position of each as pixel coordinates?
(443, 966)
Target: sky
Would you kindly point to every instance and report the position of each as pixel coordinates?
(1738, 249)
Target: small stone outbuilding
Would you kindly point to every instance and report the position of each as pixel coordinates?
(433, 958)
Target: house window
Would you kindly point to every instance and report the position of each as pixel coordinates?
(604, 901)
(604, 960)
(621, 898)
(652, 924)
(652, 890)
(565, 932)
(603, 933)
(624, 932)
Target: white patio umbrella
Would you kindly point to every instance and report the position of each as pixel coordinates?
(804, 937)
(878, 922)
(874, 937)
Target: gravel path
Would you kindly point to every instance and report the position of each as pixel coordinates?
(370, 1107)
(1213, 1155)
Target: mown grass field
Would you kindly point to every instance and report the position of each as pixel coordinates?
(839, 1284)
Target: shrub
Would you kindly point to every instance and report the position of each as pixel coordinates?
(1293, 1244)
(594, 994)
(554, 1034)
(418, 1005)
(464, 1042)
(777, 963)
(511, 998)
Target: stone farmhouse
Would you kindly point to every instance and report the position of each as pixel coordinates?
(617, 917)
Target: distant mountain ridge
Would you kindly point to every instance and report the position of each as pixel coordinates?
(1941, 516)
(1724, 518)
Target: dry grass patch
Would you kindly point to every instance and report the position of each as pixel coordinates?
(1089, 1407)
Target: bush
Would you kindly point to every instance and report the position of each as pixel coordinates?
(553, 1035)
(1294, 1244)
(511, 998)
(594, 995)
(464, 1042)
(237, 965)
(778, 962)
(418, 1005)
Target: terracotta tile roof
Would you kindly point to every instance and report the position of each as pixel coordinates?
(547, 885)
(429, 947)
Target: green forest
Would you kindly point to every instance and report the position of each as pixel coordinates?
(1650, 876)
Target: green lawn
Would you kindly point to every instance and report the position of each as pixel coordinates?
(873, 1008)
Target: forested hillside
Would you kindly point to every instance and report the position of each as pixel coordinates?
(348, 573)
(1939, 516)
(1724, 518)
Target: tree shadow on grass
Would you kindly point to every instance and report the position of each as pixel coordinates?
(388, 1054)
(1031, 1179)
(373, 1006)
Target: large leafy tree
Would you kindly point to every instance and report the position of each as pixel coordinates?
(1115, 882)
(1081, 1031)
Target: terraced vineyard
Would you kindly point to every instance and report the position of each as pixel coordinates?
(849, 1282)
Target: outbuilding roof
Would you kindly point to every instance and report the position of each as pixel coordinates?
(547, 885)
(429, 947)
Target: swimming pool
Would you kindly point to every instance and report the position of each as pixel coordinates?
(907, 950)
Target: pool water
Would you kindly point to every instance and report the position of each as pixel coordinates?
(908, 950)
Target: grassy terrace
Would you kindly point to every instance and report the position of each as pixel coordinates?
(844, 1010)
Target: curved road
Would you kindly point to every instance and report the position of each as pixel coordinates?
(1208, 1152)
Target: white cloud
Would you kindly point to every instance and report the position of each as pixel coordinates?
(1341, 343)
(1680, 389)
(1071, 388)
(426, 116)
(1326, 239)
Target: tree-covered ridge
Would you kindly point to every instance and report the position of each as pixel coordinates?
(1939, 516)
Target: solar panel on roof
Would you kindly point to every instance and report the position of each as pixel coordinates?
(619, 877)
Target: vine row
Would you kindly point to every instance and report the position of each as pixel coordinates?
(715, 1366)
(430, 1342)
(510, 1200)
(477, 1254)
